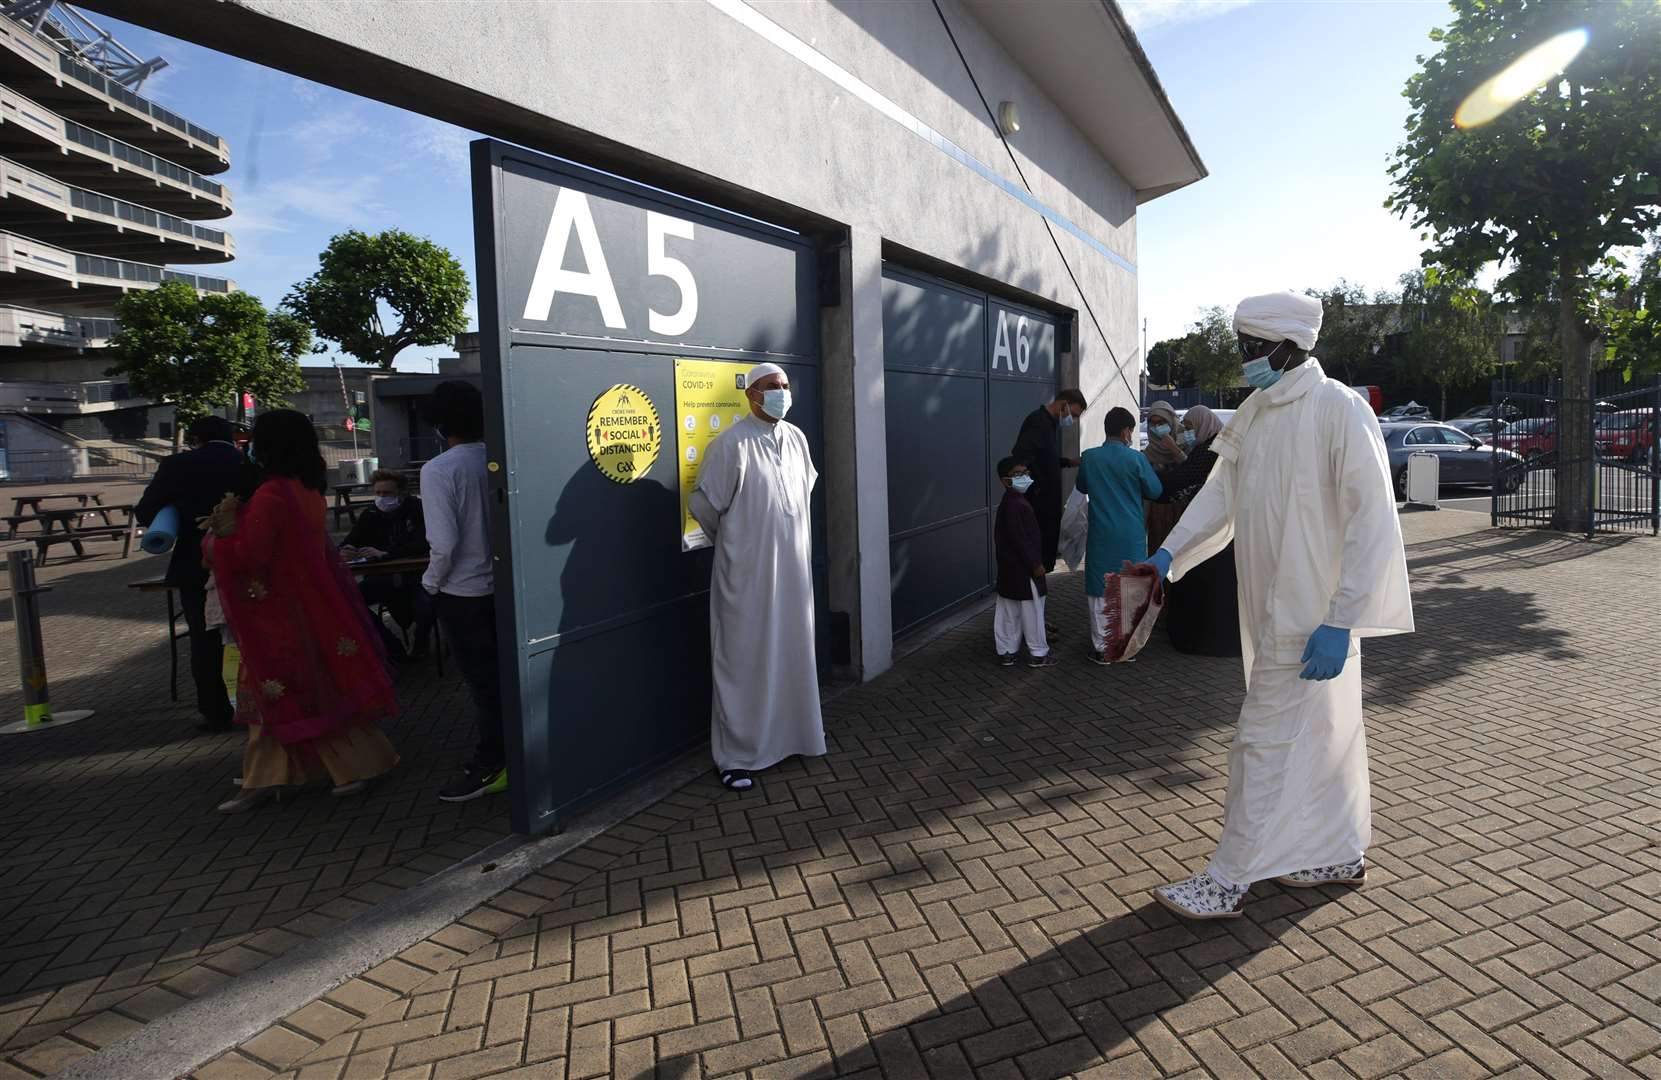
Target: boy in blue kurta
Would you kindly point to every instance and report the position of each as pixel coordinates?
(1117, 479)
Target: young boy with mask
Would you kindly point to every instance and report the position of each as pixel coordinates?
(1021, 587)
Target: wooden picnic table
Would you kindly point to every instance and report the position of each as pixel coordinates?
(174, 614)
(61, 525)
(34, 501)
(348, 503)
(412, 564)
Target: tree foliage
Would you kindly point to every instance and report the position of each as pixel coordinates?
(1451, 329)
(1213, 351)
(358, 275)
(200, 352)
(1353, 326)
(1551, 186)
(1166, 363)
(1632, 320)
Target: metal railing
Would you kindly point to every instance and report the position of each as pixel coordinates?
(132, 155)
(44, 190)
(1620, 467)
(124, 270)
(88, 77)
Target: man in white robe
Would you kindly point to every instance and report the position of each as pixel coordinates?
(1302, 488)
(753, 500)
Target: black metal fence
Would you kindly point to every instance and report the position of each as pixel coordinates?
(1617, 455)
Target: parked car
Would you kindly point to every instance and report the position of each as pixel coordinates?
(1464, 459)
(1411, 411)
(1502, 411)
(1534, 438)
(1626, 436)
(1483, 428)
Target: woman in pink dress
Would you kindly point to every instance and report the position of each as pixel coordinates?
(313, 683)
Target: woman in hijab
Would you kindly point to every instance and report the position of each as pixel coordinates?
(1165, 451)
(1202, 610)
(313, 681)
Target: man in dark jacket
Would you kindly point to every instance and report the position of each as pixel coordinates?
(394, 528)
(194, 481)
(1021, 586)
(1038, 447)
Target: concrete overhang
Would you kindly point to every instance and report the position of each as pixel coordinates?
(1084, 55)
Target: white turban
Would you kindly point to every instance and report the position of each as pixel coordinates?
(761, 371)
(1281, 316)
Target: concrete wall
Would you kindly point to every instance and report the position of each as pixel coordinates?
(703, 99)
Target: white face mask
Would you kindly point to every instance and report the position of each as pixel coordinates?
(386, 504)
(775, 403)
(1066, 419)
(1020, 483)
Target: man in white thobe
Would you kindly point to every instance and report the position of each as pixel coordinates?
(753, 500)
(1302, 488)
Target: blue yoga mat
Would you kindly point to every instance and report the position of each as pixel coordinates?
(159, 537)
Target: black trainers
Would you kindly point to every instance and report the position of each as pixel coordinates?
(1100, 657)
(1006, 659)
(475, 782)
(1049, 659)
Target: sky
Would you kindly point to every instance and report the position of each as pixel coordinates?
(1293, 106)
(1295, 109)
(309, 161)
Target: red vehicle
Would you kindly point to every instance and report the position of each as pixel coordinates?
(1533, 438)
(1626, 436)
(1374, 396)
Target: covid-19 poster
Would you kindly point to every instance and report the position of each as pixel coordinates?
(709, 398)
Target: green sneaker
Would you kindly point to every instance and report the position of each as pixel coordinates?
(475, 782)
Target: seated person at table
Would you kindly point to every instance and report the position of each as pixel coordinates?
(394, 528)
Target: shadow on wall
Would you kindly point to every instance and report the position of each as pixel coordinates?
(913, 34)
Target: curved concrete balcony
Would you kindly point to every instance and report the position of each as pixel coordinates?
(78, 92)
(74, 153)
(26, 327)
(34, 273)
(37, 205)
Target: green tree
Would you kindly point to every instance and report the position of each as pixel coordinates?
(1213, 351)
(202, 352)
(358, 275)
(1632, 322)
(1166, 363)
(1452, 330)
(1549, 187)
(1352, 327)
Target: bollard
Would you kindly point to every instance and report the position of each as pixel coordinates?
(31, 651)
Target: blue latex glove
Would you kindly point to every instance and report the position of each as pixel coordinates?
(1324, 656)
(1161, 561)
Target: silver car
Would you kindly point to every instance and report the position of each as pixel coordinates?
(1464, 458)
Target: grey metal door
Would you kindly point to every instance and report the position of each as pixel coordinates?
(961, 371)
(588, 283)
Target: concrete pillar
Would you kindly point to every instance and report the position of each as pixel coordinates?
(856, 451)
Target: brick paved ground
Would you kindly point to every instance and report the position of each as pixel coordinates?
(122, 894)
(960, 887)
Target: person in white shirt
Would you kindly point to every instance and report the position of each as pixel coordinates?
(754, 500)
(1302, 487)
(460, 578)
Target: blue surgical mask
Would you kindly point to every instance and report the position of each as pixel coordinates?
(1161, 429)
(775, 403)
(1188, 438)
(1020, 483)
(386, 504)
(1066, 419)
(1259, 373)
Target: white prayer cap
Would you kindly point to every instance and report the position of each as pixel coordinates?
(1281, 316)
(761, 371)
